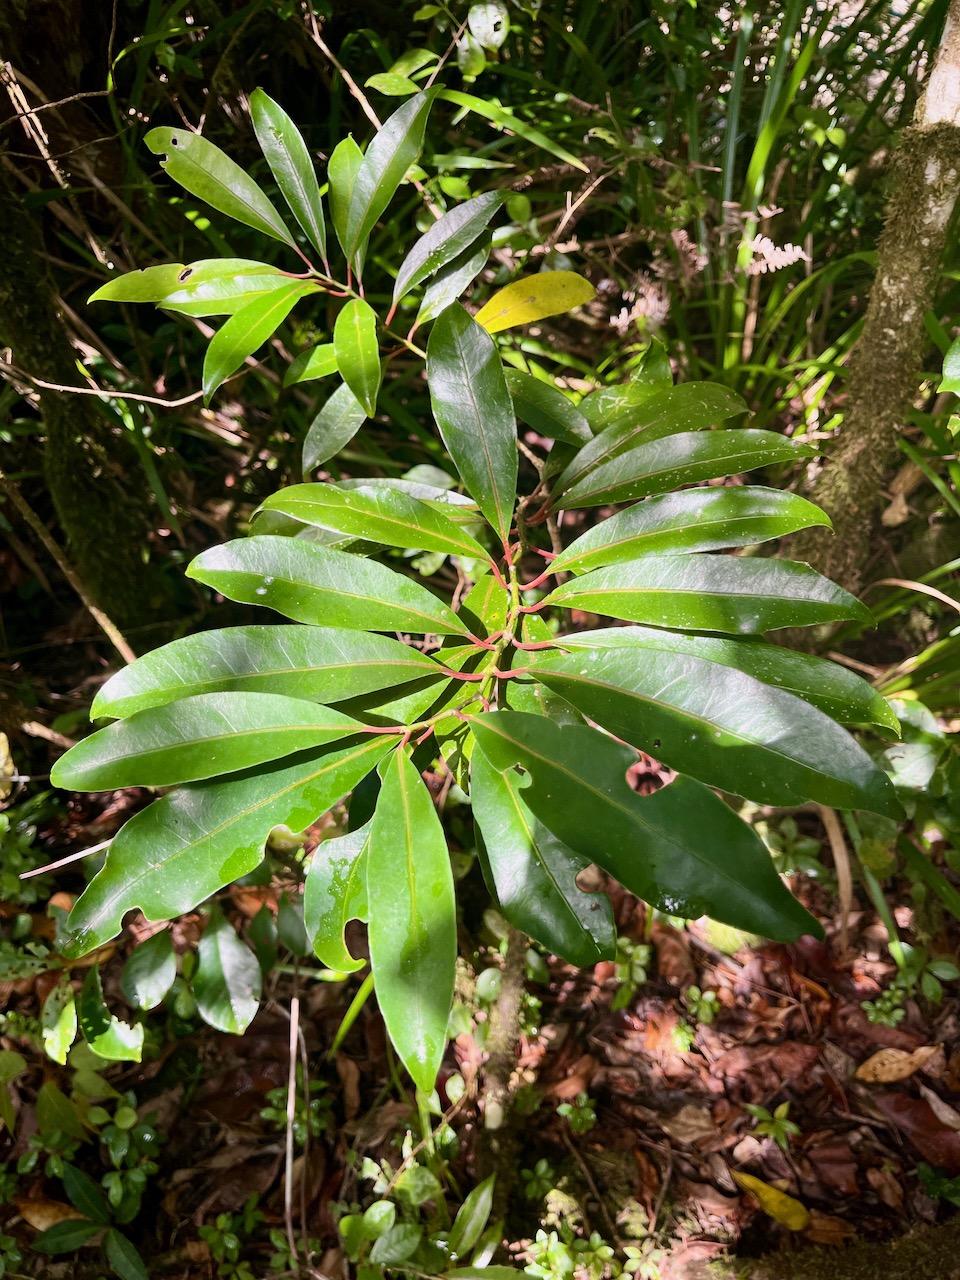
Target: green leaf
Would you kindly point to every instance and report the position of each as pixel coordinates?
(388, 157)
(693, 520)
(545, 409)
(317, 362)
(65, 1237)
(395, 1246)
(222, 286)
(198, 737)
(951, 362)
(286, 153)
(357, 352)
(472, 1217)
(503, 119)
(388, 516)
(150, 971)
(693, 406)
(342, 169)
(123, 1257)
(680, 459)
(106, 1035)
(448, 285)
(533, 875)
(187, 846)
(311, 583)
(227, 983)
(711, 593)
(247, 330)
(680, 849)
(335, 892)
(550, 293)
(489, 23)
(334, 427)
(446, 240)
(839, 692)
(149, 285)
(483, 1273)
(721, 726)
(205, 171)
(317, 664)
(11, 1065)
(474, 413)
(84, 1194)
(56, 1113)
(413, 920)
(58, 1022)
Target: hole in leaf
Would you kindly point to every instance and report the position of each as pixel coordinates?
(185, 274)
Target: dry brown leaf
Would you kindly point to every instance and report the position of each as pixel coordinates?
(887, 1066)
(674, 962)
(942, 1110)
(887, 1188)
(690, 1125)
(43, 1214)
(824, 1228)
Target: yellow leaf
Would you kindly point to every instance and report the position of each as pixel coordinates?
(7, 767)
(889, 1065)
(775, 1204)
(534, 298)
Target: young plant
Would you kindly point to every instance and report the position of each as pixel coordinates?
(580, 1114)
(776, 1125)
(256, 726)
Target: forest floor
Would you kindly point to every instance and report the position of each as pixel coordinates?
(670, 1091)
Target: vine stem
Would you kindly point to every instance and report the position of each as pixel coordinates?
(106, 625)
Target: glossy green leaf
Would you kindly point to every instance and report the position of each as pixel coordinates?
(453, 281)
(65, 1237)
(84, 1194)
(286, 153)
(150, 971)
(951, 365)
(58, 1023)
(313, 584)
(472, 1217)
(441, 498)
(222, 286)
(335, 892)
(692, 406)
(413, 919)
(681, 849)
(385, 163)
(357, 352)
(205, 171)
(474, 413)
(149, 285)
(342, 169)
(721, 726)
(318, 664)
(123, 1256)
(680, 459)
(227, 983)
(333, 428)
(446, 240)
(545, 409)
(692, 520)
(502, 118)
(549, 293)
(736, 594)
(106, 1035)
(839, 692)
(247, 330)
(533, 875)
(317, 362)
(188, 845)
(198, 737)
(389, 516)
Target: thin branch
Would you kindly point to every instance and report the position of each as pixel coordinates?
(291, 1117)
(65, 862)
(103, 393)
(841, 862)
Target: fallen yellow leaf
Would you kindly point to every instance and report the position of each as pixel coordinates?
(890, 1065)
(44, 1214)
(775, 1204)
(534, 298)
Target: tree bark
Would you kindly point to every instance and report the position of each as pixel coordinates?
(885, 363)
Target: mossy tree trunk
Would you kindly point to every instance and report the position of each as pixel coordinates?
(884, 366)
(92, 471)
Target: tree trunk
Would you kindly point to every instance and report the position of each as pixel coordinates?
(92, 471)
(884, 365)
